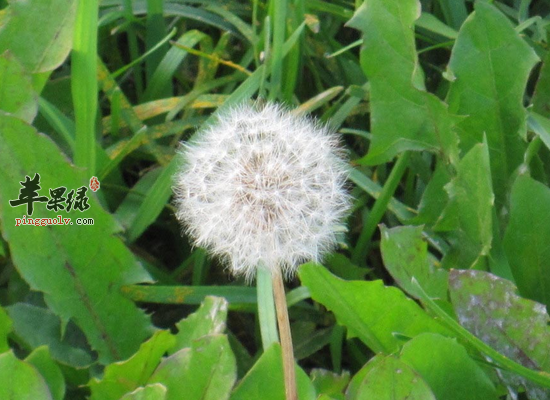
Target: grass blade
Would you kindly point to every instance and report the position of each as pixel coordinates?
(188, 294)
(84, 84)
(154, 202)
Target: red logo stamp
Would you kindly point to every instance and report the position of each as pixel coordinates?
(94, 184)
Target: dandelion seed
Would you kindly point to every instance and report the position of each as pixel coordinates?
(261, 186)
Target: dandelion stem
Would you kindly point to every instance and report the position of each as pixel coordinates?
(286, 337)
(266, 307)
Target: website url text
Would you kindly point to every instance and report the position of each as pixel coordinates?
(59, 220)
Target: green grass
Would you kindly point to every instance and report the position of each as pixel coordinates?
(84, 84)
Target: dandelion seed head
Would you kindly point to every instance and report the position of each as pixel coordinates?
(263, 187)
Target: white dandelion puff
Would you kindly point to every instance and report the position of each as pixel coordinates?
(263, 187)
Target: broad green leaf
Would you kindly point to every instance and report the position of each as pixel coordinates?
(50, 371)
(206, 371)
(489, 67)
(209, 319)
(16, 92)
(149, 392)
(527, 239)
(447, 368)
(391, 379)
(344, 267)
(470, 210)
(326, 397)
(20, 380)
(540, 377)
(371, 311)
(5, 329)
(125, 376)
(488, 307)
(434, 199)
(403, 115)
(265, 379)
(405, 256)
(37, 326)
(80, 269)
(329, 383)
(39, 33)
(356, 381)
